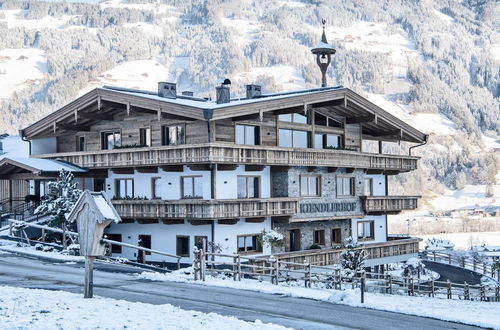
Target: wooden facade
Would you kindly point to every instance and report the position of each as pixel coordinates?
(389, 204)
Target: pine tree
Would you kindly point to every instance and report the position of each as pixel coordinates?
(352, 258)
(58, 202)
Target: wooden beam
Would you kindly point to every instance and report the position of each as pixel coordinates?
(199, 222)
(349, 170)
(199, 167)
(74, 128)
(227, 222)
(144, 221)
(254, 168)
(173, 221)
(327, 104)
(280, 219)
(255, 220)
(127, 220)
(332, 169)
(247, 117)
(383, 134)
(289, 110)
(227, 167)
(96, 116)
(147, 169)
(359, 120)
(123, 170)
(172, 168)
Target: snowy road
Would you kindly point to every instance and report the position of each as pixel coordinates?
(246, 305)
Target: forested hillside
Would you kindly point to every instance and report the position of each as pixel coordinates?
(434, 64)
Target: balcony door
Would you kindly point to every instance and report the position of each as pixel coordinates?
(294, 239)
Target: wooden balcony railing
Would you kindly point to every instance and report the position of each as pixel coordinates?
(205, 209)
(224, 153)
(332, 256)
(389, 204)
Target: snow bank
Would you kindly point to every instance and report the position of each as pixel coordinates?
(470, 312)
(42, 309)
(10, 246)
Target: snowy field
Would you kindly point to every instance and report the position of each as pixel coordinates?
(41, 309)
(469, 312)
(463, 241)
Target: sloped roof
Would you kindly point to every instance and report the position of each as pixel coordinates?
(98, 202)
(36, 166)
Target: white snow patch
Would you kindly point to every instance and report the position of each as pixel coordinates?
(148, 28)
(41, 309)
(10, 246)
(464, 241)
(246, 30)
(20, 68)
(491, 143)
(285, 77)
(445, 18)
(469, 197)
(15, 18)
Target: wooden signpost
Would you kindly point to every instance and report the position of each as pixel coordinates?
(93, 212)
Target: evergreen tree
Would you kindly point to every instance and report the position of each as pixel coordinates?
(352, 257)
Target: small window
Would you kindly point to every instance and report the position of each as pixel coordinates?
(247, 134)
(248, 187)
(249, 243)
(293, 118)
(156, 188)
(145, 242)
(124, 188)
(345, 186)
(293, 138)
(80, 143)
(145, 137)
(182, 246)
(192, 187)
(99, 185)
(327, 141)
(368, 189)
(322, 120)
(319, 237)
(310, 185)
(366, 230)
(111, 140)
(173, 135)
(336, 239)
(115, 237)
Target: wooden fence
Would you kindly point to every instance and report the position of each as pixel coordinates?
(331, 277)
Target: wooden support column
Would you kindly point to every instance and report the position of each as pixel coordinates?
(213, 181)
(380, 149)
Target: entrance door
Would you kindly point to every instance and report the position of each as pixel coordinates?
(295, 240)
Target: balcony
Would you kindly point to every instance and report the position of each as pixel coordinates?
(324, 257)
(389, 204)
(206, 209)
(224, 153)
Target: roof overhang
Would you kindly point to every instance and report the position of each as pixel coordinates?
(26, 168)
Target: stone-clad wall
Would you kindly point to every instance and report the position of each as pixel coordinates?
(307, 232)
(286, 182)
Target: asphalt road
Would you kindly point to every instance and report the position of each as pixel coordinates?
(116, 281)
(453, 274)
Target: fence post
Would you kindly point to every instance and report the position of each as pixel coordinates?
(466, 291)
(474, 264)
(234, 266)
(203, 264)
(482, 293)
(307, 274)
(238, 269)
(449, 259)
(390, 284)
(410, 286)
(432, 288)
(363, 287)
(484, 268)
(196, 263)
(463, 262)
(497, 294)
(434, 255)
(178, 263)
(448, 290)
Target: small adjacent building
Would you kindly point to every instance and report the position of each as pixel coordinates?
(182, 170)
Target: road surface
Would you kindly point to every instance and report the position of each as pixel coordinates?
(119, 282)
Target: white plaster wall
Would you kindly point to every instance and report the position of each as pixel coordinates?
(380, 227)
(227, 182)
(163, 237)
(44, 146)
(378, 184)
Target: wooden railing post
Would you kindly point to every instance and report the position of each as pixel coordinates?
(390, 284)
(432, 289)
(238, 269)
(466, 291)
(196, 264)
(482, 293)
(203, 264)
(307, 274)
(448, 289)
(497, 293)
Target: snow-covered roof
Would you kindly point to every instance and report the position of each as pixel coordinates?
(97, 201)
(13, 146)
(37, 166)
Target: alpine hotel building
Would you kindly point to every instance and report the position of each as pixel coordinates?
(180, 168)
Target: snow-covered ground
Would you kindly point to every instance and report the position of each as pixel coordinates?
(20, 68)
(470, 312)
(11, 246)
(41, 309)
(464, 241)
(15, 18)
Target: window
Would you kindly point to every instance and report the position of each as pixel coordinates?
(368, 187)
(145, 137)
(322, 120)
(110, 140)
(246, 134)
(310, 185)
(336, 239)
(156, 188)
(293, 138)
(345, 186)
(145, 242)
(249, 243)
(182, 246)
(366, 230)
(192, 187)
(248, 187)
(124, 188)
(173, 135)
(327, 141)
(99, 185)
(293, 118)
(80, 143)
(115, 237)
(319, 237)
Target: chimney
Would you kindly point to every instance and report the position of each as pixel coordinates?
(222, 92)
(167, 90)
(187, 93)
(253, 91)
